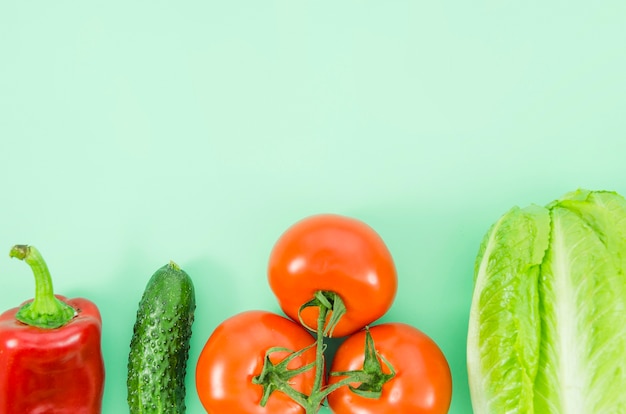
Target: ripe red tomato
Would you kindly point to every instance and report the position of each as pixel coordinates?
(234, 354)
(333, 253)
(422, 382)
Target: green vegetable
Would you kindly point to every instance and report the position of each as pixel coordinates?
(159, 348)
(547, 329)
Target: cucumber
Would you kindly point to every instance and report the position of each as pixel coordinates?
(159, 347)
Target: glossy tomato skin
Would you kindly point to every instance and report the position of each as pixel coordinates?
(422, 384)
(234, 354)
(333, 253)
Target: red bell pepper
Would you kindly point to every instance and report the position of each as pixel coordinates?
(50, 350)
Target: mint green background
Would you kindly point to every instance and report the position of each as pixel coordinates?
(132, 133)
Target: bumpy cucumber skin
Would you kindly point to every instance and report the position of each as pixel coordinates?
(159, 348)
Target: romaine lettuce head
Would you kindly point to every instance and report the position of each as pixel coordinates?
(547, 328)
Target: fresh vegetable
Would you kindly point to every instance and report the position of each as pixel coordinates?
(159, 347)
(332, 275)
(401, 370)
(546, 330)
(235, 355)
(50, 350)
(337, 260)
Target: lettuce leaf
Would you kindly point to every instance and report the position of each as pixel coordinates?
(547, 331)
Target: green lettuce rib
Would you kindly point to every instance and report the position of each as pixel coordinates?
(504, 329)
(582, 366)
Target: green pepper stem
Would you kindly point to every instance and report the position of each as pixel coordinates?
(45, 311)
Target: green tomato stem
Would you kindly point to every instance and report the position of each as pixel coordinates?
(45, 311)
(319, 393)
(321, 347)
(277, 377)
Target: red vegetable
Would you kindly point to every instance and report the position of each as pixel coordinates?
(50, 350)
(235, 354)
(421, 383)
(341, 257)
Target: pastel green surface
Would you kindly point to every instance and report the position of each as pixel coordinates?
(136, 133)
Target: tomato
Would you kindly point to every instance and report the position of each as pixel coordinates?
(422, 383)
(234, 354)
(335, 253)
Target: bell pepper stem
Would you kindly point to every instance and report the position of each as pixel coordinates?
(45, 311)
